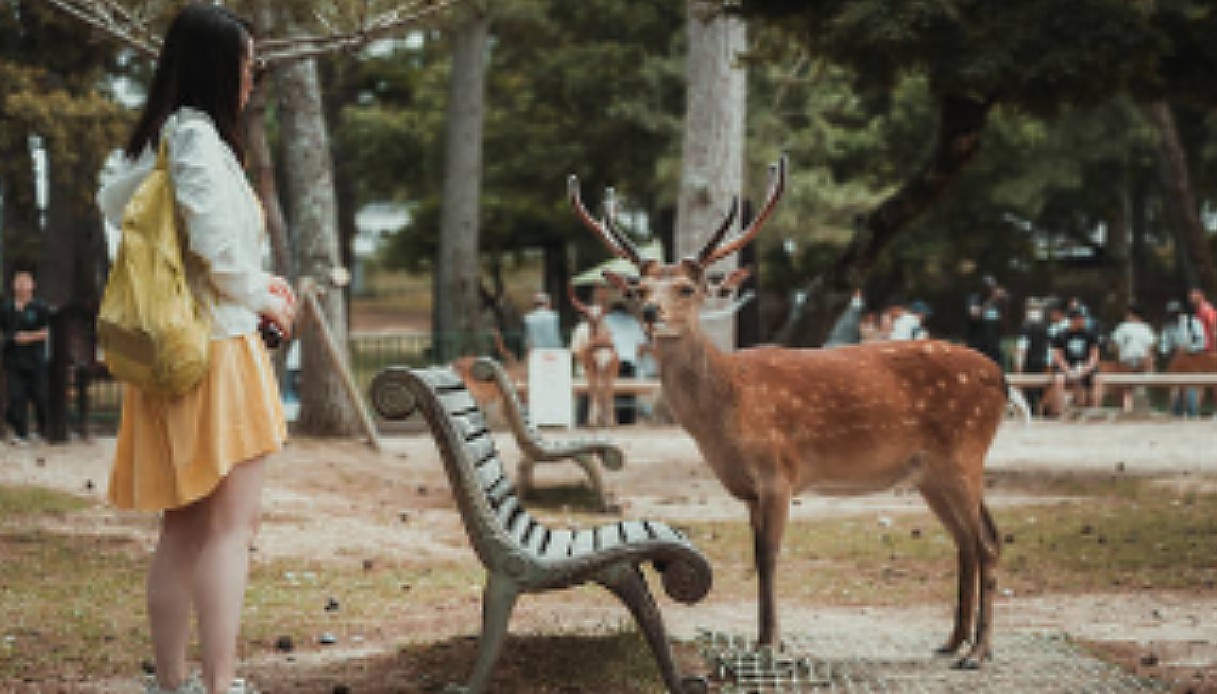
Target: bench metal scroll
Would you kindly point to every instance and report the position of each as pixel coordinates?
(523, 556)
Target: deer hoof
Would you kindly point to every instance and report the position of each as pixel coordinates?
(967, 663)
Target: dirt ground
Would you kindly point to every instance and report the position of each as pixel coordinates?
(341, 502)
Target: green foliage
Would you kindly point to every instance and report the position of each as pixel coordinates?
(569, 85)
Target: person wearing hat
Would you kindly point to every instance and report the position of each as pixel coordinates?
(541, 325)
(1075, 361)
(908, 323)
(1182, 342)
(1134, 341)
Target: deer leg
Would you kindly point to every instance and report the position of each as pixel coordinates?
(965, 600)
(988, 551)
(769, 514)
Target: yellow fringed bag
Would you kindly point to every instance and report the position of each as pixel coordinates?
(152, 331)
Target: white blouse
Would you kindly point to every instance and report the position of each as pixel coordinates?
(224, 221)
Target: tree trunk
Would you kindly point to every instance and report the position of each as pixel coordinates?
(1198, 268)
(19, 205)
(713, 153)
(262, 163)
(1119, 257)
(73, 243)
(457, 312)
(557, 276)
(324, 408)
(961, 122)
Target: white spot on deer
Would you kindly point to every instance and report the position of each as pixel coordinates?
(963, 378)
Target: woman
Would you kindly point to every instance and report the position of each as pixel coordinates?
(200, 458)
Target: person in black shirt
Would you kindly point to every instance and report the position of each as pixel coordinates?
(23, 322)
(985, 320)
(1032, 350)
(1075, 361)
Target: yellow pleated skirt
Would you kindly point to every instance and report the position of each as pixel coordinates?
(174, 451)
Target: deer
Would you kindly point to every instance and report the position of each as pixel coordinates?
(487, 395)
(772, 422)
(600, 363)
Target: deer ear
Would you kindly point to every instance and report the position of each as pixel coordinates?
(737, 278)
(626, 285)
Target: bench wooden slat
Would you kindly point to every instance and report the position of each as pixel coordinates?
(457, 401)
(498, 492)
(471, 425)
(521, 527)
(537, 539)
(664, 532)
(489, 474)
(608, 536)
(584, 542)
(507, 511)
(559, 544)
(481, 448)
(634, 531)
(1153, 380)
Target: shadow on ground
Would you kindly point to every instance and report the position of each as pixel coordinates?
(530, 664)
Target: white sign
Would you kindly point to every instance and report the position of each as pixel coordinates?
(549, 388)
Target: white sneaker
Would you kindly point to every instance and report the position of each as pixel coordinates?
(192, 685)
(242, 686)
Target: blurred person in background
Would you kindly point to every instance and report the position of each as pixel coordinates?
(1134, 341)
(1075, 363)
(1182, 344)
(985, 320)
(1033, 350)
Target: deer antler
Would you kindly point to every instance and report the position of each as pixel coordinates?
(574, 299)
(617, 243)
(717, 237)
(777, 186)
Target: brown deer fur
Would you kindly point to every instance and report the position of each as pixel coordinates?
(487, 395)
(774, 422)
(600, 364)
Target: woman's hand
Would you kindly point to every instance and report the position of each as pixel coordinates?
(281, 288)
(283, 314)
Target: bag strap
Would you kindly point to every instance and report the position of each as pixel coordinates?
(162, 154)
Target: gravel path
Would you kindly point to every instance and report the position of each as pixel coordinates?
(328, 498)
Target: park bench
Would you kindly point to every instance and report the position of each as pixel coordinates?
(1113, 379)
(520, 554)
(535, 448)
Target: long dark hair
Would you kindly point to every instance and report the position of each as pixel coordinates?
(199, 66)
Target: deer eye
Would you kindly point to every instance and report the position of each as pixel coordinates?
(687, 290)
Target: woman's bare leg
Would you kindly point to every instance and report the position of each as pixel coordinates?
(222, 571)
(170, 583)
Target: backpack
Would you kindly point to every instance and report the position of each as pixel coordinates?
(152, 332)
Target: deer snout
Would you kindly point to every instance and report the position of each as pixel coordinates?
(650, 313)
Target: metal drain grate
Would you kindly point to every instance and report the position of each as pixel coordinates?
(887, 661)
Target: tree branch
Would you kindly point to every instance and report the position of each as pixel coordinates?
(131, 32)
(115, 21)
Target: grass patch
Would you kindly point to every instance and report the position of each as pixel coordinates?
(72, 606)
(303, 601)
(26, 501)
